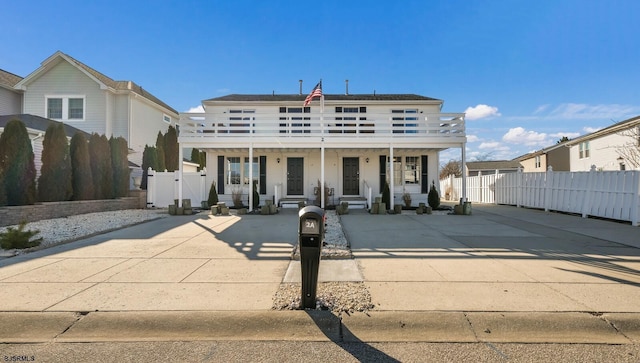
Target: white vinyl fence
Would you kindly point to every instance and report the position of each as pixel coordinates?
(607, 194)
(162, 188)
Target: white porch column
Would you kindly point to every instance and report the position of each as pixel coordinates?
(391, 177)
(321, 191)
(464, 172)
(180, 174)
(250, 177)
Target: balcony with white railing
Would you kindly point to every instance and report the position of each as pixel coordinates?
(223, 129)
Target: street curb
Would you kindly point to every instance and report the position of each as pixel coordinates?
(321, 326)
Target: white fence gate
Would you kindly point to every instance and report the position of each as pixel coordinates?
(162, 188)
(607, 194)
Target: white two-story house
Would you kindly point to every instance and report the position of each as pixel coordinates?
(349, 143)
(64, 89)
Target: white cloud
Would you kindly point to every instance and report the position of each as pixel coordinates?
(519, 135)
(197, 109)
(481, 111)
(589, 129)
(489, 145)
(472, 138)
(540, 109)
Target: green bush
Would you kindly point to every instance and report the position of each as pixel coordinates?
(433, 197)
(386, 195)
(55, 182)
(101, 169)
(256, 195)
(120, 166)
(171, 149)
(17, 165)
(82, 180)
(149, 160)
(19, 238)
(213, 195)
(160, 152)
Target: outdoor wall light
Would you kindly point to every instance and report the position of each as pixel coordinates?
(367, 160)
(278, 160)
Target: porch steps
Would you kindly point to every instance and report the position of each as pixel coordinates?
(355, 202)
(291, 202)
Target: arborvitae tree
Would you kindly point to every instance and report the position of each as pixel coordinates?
(120, 166)
(386, 195)
(149, 160)
(433, 197)
(3, 194)
(17, 164)
(82, 179)
(101, 171)
(213, 195)
(171, 152)
(54, 183)
(160, 152)
(195, 158)
(256, 195)
(203, 160)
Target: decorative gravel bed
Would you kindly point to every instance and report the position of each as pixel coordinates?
(61, 230)
(339, 297)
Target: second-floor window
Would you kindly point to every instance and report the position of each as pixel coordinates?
(70, 108)
(538, 162)
(584, 150)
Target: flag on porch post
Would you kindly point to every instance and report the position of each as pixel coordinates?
(315, 92)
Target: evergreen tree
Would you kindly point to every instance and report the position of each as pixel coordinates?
(433, 197)
(171, 152)
(195, 158)
(3, 194)
(82, 179)
(386, 195)
(120, 166)
(17, 164)
(101, 171)
(213, 195)
(54, 183)
(162, 165)
(203, 160)
(149, 160)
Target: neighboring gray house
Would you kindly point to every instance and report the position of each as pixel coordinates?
(475, 168)
(556, 157)
(10, 98)
(64, 89)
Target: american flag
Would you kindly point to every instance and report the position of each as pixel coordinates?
(316, 92)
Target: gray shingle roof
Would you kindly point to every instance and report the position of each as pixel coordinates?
(8, 79)
(493, 165)
(327, 97)
(119, 85)
(39, 123)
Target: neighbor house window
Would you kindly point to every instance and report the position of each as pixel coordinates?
(538, 163)
(65, 107)
(584, 150)
(166, 118)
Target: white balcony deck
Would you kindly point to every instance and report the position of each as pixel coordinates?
(311, 130)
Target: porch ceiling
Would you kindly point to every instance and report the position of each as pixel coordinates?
(327, 150)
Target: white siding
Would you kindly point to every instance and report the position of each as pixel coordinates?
(10, 102)
(146, 121)
(602, 153)
(65, 79)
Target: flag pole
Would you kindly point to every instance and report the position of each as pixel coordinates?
(321, 191)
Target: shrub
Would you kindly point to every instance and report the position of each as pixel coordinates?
(160, 152)
(433, 197)
(213, 195)
(55, 182)
(256, 195)
(171, 149)
(101, 171)
(19, 238)
(386, 195)
(120, 166)
(406, 197)
(81, 178)
(236, 197)
(17, 165)
(149, 160)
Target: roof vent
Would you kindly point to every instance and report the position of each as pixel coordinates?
(346, 90)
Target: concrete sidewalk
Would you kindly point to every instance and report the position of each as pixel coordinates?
(501, 274)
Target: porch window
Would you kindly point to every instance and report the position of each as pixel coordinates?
(233, 170)
(255, 167)
(412, 170)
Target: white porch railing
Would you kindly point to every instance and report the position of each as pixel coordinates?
(408, 128)
(606, 194)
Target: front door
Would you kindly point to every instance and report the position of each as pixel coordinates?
(295, 176)
(351, 176)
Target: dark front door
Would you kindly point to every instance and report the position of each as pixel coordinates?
(351, 176)
(295, 176)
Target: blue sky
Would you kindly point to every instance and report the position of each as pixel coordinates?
(526, 72)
